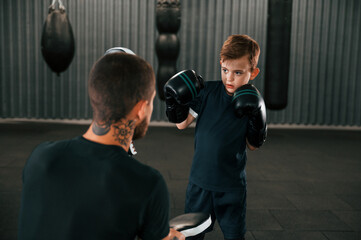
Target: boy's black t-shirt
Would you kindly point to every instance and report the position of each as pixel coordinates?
(220, 141)
(78, 189)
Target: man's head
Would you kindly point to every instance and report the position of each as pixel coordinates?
(122, 86)
(239, 58)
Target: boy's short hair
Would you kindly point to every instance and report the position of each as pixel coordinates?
(237, 46)
(117, 82)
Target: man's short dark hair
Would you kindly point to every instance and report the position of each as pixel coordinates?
(116, 83)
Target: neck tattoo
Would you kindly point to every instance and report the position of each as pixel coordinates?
(100, 129)
(123, 132)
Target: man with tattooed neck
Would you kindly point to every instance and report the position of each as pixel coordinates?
(89, 187)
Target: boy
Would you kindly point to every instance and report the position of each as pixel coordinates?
(230, 115)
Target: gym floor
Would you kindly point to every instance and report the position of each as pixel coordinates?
(302, 184)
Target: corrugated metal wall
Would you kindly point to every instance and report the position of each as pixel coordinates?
(29, 89)
(325, 60)
(324, 85)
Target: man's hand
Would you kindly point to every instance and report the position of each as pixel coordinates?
(175, 235)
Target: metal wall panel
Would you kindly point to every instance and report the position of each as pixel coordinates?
(323, 89)
(325, 58)
(29, 89)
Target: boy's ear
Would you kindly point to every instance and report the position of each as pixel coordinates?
(254, 73)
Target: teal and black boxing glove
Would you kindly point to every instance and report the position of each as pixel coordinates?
(179, 91)
(248, 101)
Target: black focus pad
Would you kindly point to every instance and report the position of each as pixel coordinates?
(57, 41)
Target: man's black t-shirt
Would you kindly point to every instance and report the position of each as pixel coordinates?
(78, 189)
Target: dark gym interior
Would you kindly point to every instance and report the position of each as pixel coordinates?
(303, 183)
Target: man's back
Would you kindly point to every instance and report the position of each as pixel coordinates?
(79, 189)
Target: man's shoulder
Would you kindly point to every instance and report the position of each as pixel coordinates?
(146, 179)
(147, 173)
(51, 146)
(44, 155)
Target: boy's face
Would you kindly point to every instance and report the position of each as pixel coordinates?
(236, 73)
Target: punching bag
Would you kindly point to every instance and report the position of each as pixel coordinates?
(167, 44)
(57, 41)
(278, 53)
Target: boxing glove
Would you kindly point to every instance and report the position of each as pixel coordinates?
(248, 101)
(179, 91)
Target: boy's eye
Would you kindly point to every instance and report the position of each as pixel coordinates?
(239, 73)
(225, 70)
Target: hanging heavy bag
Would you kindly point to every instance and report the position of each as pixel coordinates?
(57, 41)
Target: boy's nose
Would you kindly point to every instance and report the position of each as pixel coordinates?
(230, 77)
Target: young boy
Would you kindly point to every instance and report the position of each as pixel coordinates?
(230, 115)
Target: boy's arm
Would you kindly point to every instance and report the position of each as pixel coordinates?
(186, 122)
